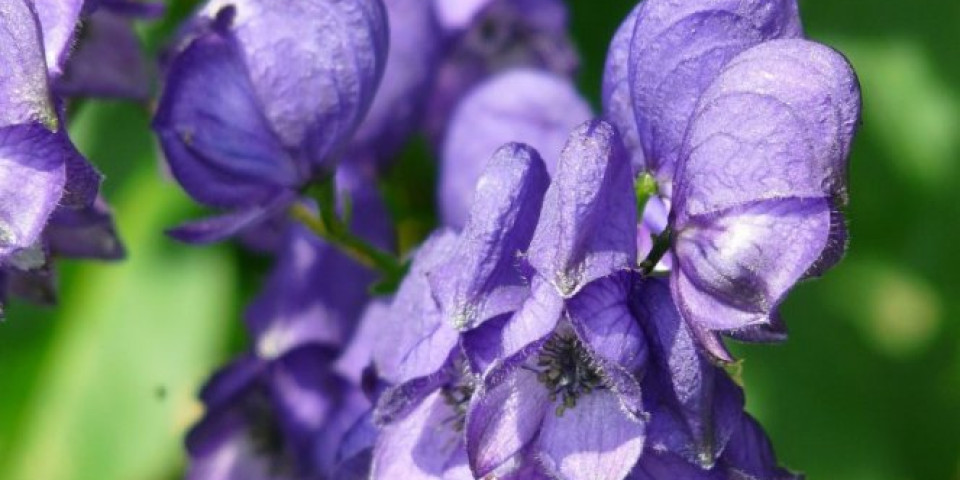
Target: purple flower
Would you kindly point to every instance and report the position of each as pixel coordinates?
(535, 107)
(263, 98)
(489, 36)
(108, 60)
(411, 68)
(280, 418)
(45, 182)
(315, 293)
(746, 129)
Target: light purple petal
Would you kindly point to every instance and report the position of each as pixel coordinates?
(420, 446)
(415, 48)
(524, 105)
(59, 19)
(588, 226)
(314, 66)
(677, 50)
(23, 78)
(709, 405)
(735, 267)
(595, 440)
(532, 324)
(503, 418)
(33, 175)
(482, 280)
(617, 101)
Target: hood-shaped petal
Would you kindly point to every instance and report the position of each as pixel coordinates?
(314, 67)
(23, 78)
(528, 106)
(60, 20)
(616, 89)
(587, 229)
(218, 143)
(709, 404)
(108, 61)
(415, 54)
(419, 447)
(676, 51)
(31, 183)
(503, 418)
(776, 123)
(596, 440)
(482, 279)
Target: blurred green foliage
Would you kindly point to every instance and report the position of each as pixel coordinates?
(868, 386)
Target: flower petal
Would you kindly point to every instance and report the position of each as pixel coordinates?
(528, 106)
(595, 440)
(219, 228)
(617, 101)
(750, 454)
(735, 267)
(677, 50)
(418, 447)
(592, 188)
(481, 280)
(219, 145)
(504, 417)
(531, 325)
(86, 233)
(23, 79)
(776, 123)
(314, 66)
(59, 19)
(32, 161)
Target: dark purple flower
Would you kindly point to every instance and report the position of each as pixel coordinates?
(489, 36)
(315, 293)
(109, 60)
(534, 107)
(262, 99)
(280, 418)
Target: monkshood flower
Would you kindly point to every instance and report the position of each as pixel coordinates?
(108, 60)
(565, 380)
(416, 48)
(261, 100)
(488, 36)
(43, 175)
(534, 107)
(746, 130)
(274, 418)
(315, 293)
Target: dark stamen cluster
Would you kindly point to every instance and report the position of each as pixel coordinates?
(457, 394)
(566, 369)
(265, 435)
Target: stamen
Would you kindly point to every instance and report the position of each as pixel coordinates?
(567, 371)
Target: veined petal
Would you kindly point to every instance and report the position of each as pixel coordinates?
(219, 228)
(736, 266)
(33, 175)
(420, 446)
(481, 280)
(23, 78)
(314, 67)
(219, 145)
(532, 325)
(678, 48)
(504, 417)
(587, 229)
(596, 440)
(527, 106)
(601, 316)
(750, 454)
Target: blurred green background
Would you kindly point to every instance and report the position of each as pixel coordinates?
(868, 387)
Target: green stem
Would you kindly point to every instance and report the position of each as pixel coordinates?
(329, 227)
(661, 245)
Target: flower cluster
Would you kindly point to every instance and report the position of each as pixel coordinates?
(566, 318)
